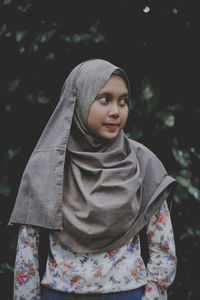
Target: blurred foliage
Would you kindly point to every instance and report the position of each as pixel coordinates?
(157, 44)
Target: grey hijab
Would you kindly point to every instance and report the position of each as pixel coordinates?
(93, 194)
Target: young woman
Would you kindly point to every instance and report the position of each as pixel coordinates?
(93, 190)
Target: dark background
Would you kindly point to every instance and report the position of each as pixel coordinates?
(157, 43)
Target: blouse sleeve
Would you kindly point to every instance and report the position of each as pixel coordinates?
(26, 275)
(161, 267)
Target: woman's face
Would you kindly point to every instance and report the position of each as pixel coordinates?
(109, 110)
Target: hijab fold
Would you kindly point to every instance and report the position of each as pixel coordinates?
(93, 194)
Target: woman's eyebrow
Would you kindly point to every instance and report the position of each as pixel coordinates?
(109, 94)
(124, 95)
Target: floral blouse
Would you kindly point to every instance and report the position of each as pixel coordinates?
(114, 271)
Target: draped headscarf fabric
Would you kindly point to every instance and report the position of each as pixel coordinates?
(93, 194)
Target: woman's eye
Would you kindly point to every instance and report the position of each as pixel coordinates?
(104, 99)
(124, 101)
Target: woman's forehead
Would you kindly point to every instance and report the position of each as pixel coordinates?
(115, 84)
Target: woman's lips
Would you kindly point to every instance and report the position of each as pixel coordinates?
(111, 125)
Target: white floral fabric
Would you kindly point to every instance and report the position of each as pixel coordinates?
(114, 271)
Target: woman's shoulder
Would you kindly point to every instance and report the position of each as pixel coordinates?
(146, 157)
(142, 150)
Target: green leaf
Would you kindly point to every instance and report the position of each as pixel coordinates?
(190, 232)
(185, 182)
(50, 56)
(3, 29)
(31, 97)
(149, 97)
(99, 38)
(41, 38)
(43, 98)
(181, 156)
(6, 2)
(167, 118)
(5, 189)
(45, 36)
(185, 173)
(93, 28)
(194, 192)
(35, 47)
(147, 92)
(195, 153)
(12, 85)
(12, 153)
(92, 36)
(20, 35)
(6, 267)
(65, 37)
(25, 7)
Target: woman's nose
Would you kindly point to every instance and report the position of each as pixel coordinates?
(114, 110)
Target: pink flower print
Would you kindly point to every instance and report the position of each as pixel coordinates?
(75, 279)
(174, 260)
(165, 247)
(111, 256)
(111, 253)
(162, 287)
(68, 267)
(53, 263)
(139, 263)
(161, 219)
(31, 269)
(135, 273)
(26, 242)
(20, 278)
(98, 273)
(47, 284)
(131, 247)
(150, 236)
